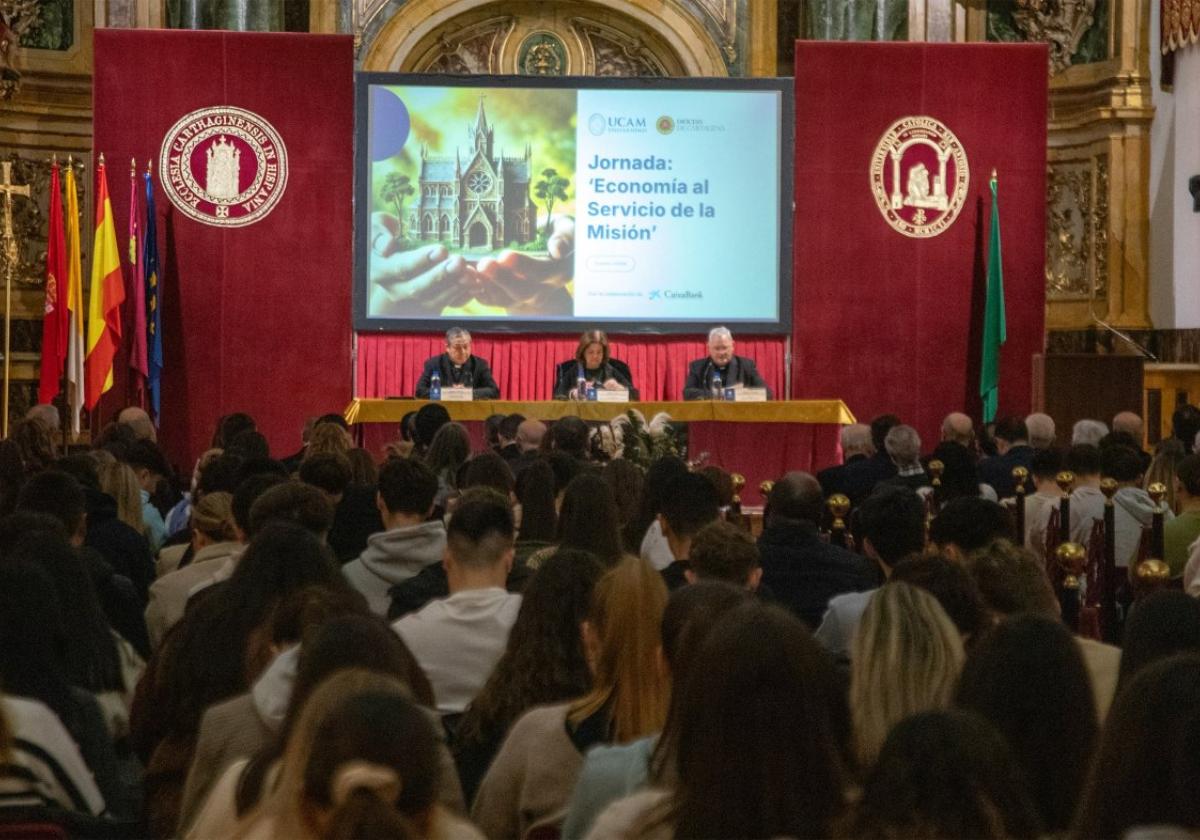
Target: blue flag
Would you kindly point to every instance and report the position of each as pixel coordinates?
(154, 352)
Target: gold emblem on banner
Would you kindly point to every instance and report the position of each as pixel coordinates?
(223, 166)
(920, 176)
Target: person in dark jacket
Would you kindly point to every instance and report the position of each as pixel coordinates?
(859, 478)
(1012, 446)
(457, 368)
(720, 361)
(593, 363)
(801, 570)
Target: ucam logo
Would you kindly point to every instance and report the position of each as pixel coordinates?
(600, 123)
(596, 124)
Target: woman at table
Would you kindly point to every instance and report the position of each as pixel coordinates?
(593, 363)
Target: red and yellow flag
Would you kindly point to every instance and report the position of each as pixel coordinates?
(105, 299)
(74, 300)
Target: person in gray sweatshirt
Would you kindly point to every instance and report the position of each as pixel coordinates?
(409, 543)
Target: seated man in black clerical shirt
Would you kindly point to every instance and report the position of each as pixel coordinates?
(459, 369)
(593, 364)
(720, 361)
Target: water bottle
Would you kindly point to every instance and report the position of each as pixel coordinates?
(435, 386)
(717, 392)
(591, 392)
(581, 388)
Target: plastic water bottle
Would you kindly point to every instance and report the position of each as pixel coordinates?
(717, 392)
(591, 392)
(581, 388)
(435, 386)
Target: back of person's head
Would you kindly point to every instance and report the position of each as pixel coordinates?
(623, 625)
(491, 430)
(488, 470)
(1119, 438)
(19, 524)
(329, 472)
(1121, 463)
(83, 467)
(856, 439)
(332, 418)
(903, 445)
(428, 420)
(1185, 423)
(144, 455)
(229, 426)
(892, 519)
(626, 479)
(905, 658)
(36, 442)
(247, 493)
(1088, 431)
(57, 494)
(1188, 473)
(952, 586)
(795, 498)
(1041, 430)
(1084, 459)
(544, 660)
(481, 532)
(249, 444)
(945, 773)
(659, 476)
(1046, 464)
(407, 485)
(363, 469)
(958, 428)
(219, 474)
(119, 481)
(1159, 626)
(293, 501)
(449, 449)
(1011, 580)
(880, 426)
(760, 693)
(1147, 768)
(565, 468)
(588, 519)
(570, 435)
(213, 517)
(960, 473)
(969, 523)
(530, 434)
(724, 552)
(281, 558)
(509, 427)
(535, 493)
(1028, 678)
(1012, 430)
(721, 481)
(326, 438)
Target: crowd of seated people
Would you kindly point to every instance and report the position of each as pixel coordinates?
(546, 639)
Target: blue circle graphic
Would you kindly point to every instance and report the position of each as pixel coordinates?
(390, 123)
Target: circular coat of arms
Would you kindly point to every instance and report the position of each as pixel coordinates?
(223, 166)
(920, 176)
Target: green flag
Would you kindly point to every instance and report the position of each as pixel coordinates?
(994, 330)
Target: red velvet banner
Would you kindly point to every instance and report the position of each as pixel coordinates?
(256, 311)
(892, 322)
(389, 365)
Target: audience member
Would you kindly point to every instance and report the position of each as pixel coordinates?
(544, 661)
(1182, 531)
(458, 640)
(539, 516)
(689, 503)
(960, 475)
(588, 520)
(855, 439)
(968, 523)
(891, 526)
(959, 428)
(1088, 432)
(1159, 626)
(626, 480)
(449, 450)
(858, 478)
(1162, 468)
(948, 774)
(1027, 677)
(531, 779)
(1043, 470)
(489, 470)
(507, 435)
(724, 552)
(903, 446)
(426, 423)
(1012, 444)
(411, 540)
(1041, 431)
(759, 694)
(645, 530)
(953, 588)
(905, 659)
(801, 570)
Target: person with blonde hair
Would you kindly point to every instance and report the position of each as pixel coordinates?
(905, 659)
(533, 775)
(120, 481)
(361, 761)
(327, 438)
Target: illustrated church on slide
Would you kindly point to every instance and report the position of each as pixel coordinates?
(483, 204)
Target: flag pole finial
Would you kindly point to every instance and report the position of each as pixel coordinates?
(54, 159)
(993, 173)
(150, 166)
(132, 167)
(102, 158)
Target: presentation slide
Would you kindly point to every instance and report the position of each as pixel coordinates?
(563, 207)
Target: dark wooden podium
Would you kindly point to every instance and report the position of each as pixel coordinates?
(1077, 386)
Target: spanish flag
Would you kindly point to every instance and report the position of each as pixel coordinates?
(105, 298)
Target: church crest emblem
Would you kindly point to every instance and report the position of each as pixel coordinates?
(919, 176)
(223, 166)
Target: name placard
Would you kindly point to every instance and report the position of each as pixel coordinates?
(747, 394)
(458, 394)
(606, 396)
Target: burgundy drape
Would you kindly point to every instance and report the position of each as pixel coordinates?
(390, 364)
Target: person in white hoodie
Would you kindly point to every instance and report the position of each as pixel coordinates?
(410, 541)
(1134, 507)
(458, 640)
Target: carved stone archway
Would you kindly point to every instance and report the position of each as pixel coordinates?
(544, 37)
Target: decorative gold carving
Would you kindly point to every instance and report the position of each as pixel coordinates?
(1180, 24)
(16, 18)
(1059, 23)
(1077, 229)
(612, 52)
(724, 14)
(472, 49)
(543, 54)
